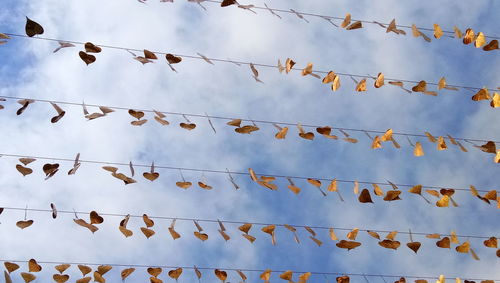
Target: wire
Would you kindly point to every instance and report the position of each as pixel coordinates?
(232, 118)
(339, 18)
(235, 269)
(233, 61)
(234, 222)
(223, 172)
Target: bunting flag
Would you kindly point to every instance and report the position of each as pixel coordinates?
(88, 57)
(444, 196)
(95, 272)
(467, 37)
(451, 241)
(377, 142)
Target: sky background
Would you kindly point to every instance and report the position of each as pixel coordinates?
(28, 68)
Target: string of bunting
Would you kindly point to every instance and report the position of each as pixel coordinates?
(62, 270)
(469, 36)
(282, 127)
(349, 243)
(444, 195)
(331, 78)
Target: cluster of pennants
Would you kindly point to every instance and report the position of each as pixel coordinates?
(349, 243)
(155, 273)
(331, 78)
(444, 196)
(361, 86)
(87, 274)
(467, 37)
(325, 131)
(33, 28)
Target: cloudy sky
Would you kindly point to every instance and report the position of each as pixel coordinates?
(30, 69)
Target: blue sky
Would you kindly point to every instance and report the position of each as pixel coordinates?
(29, 68)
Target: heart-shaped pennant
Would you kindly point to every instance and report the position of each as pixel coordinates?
(187, 126)
(493, 45)
(139, 122)
(463, 248)
(365, 197)
(246, 129)
(389, 244)
(392, 195)
(24, 223)
(84, 269)
(482, 94)
(154, 271)
(62, 267)
(292, 187)
(33, 28)
(147, 232)
(10, 266)
(126, 232)
(151, 175)
(103, 269)
(91, 48)
(414, 246)
(491, 242)
(24, 170)
(126, 272)
(281, 134)
(33, 266)
(60, 278)
(136, 114)
(420, 87)
(95, 218)
(221, 274)
(172, 59)
(28, 277)
(183, 185)
(149, 55)
(307, 136)
(84, 223)
(148, 221)
(87, 58)
(444, 243)
(50, 169)
(349, 245)
(201, 236)
(175, 273)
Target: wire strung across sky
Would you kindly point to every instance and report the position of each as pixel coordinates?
(295, 12)
(232, 118)
(236, 222)
(222, 171)
(238, 269)
(471, 88)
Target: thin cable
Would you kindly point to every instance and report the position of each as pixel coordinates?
(232, 118)
(222, 171)
(341, 18)
(234, 222)
(234, 269)
(233, 61)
